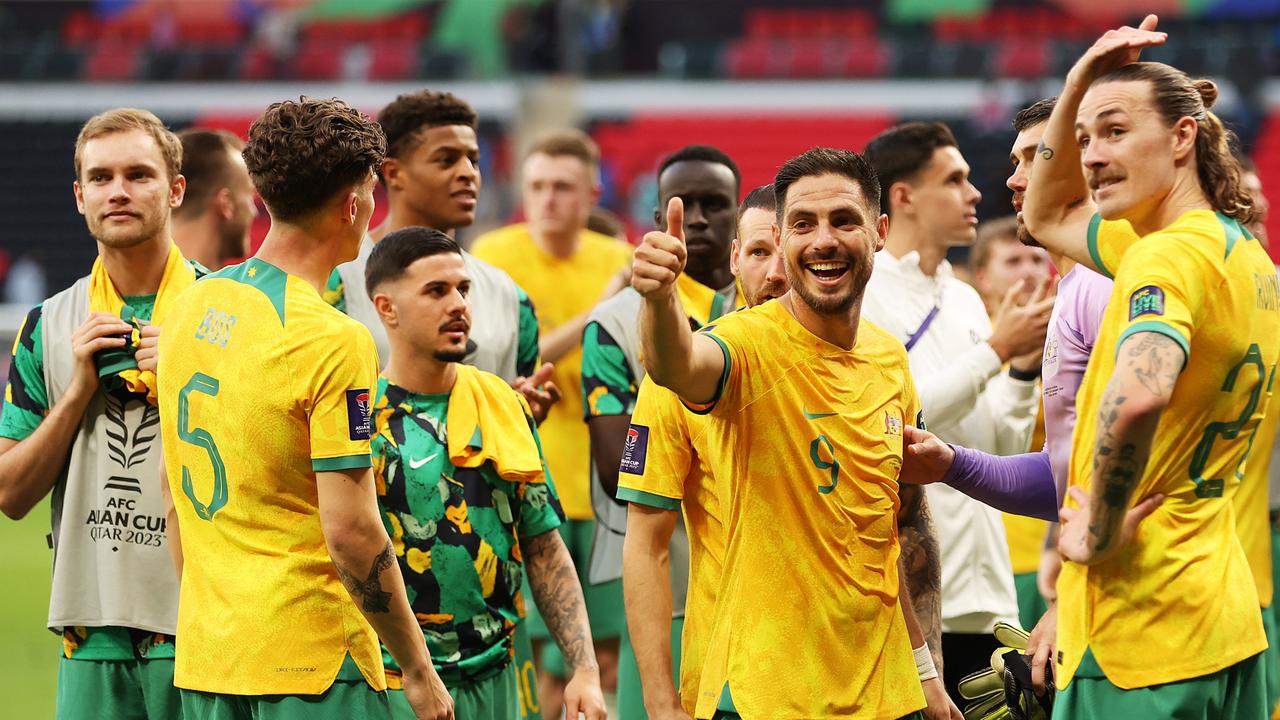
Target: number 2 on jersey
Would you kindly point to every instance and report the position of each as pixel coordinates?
(1211, 488)
(200, 437)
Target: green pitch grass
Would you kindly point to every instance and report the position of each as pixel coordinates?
(29, 659)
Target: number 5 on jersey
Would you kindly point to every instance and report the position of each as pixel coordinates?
(200, 437)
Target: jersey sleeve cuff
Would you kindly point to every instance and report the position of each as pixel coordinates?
(1094, 252)
(641, 497)
(704, 408)
(1157, 326)
(344, 462)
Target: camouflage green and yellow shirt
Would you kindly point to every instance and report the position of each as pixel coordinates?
(456, 533)
(26, 403)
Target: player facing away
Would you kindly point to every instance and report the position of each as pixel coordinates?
(79, 420)
(267, 391)
(664, 478)
(465, 491)
(805, 407)
(1173, 396)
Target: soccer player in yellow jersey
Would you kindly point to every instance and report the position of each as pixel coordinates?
(662, 477)
(265, 394)
(1159, 619)
(566, 270)
(805, 410)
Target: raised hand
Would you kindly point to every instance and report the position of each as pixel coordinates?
(1020, 329)
(660, 257)
(1116, 48)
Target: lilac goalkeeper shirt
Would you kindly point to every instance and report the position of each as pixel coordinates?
(1073, 330)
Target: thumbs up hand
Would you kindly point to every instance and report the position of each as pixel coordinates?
(660, 257)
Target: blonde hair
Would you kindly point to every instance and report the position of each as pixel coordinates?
(125, 119)
(1176, 96)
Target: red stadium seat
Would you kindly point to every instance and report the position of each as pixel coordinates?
(1026, 58)
(80, 30)
(752, 58)
(394, 60)
(863, 56)
(317, 61)
(113, 61)
(807, 59)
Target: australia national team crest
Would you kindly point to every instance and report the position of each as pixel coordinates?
(1147, 300)
(634, 450)
(358, 414)
(892, 425)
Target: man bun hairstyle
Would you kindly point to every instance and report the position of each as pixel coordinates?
(302, 153)
(393, 255)
(1175, 96)
(827, 161)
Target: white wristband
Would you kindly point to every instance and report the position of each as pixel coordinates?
(924, 663)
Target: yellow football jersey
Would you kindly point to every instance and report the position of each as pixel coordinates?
(805, 442)
(661, 469)
(262, 385)
(1108, 240)
(561, 289)
(1182, 592)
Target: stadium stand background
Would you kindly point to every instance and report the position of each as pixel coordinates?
(762, 80)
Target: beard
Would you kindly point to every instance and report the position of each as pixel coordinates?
(1025, 238)
(766, 292)
(450, 354)
(233, 240)
(840, 301)
(148, 226)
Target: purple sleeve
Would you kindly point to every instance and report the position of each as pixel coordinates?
(1016, 484)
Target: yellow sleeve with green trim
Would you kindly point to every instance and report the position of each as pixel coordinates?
(1161, 292)
(1109, 240)
(342, 379)
(658, 451)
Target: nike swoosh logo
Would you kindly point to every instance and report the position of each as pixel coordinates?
(419, 463)
(818, 416)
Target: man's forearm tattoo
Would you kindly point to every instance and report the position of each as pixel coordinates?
(923, 564)
(368, 592)
(558, 594)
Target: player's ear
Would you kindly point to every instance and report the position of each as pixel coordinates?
(733, 257)
(79, 193)
(882, 231)
(900, 195)
(225, 204)
(1184, 137)
(351, 207)
(391, 173)
(177, 191)
(777, 235)
(386, 310)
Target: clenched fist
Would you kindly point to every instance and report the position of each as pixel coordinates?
(660, 258)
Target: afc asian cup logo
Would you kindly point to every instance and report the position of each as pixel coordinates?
(359, 414)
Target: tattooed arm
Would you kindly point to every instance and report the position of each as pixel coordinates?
(1147, 367)
(923, 567)
(366, 564)
(558, 594)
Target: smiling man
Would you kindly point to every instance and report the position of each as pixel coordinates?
(802, 377)
(465, 492)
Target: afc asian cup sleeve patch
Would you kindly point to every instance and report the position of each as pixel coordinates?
(634, 450)
(359, 420)
(1146, 300)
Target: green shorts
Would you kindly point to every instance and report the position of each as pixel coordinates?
(526, 675)
(495, 698)
(1031, 604)
(348, 698)
(630, 692)
(1238, 692)
(1271, 659)
(604, 601)
(124, 689)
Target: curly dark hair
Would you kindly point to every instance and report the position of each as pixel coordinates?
(403, 117)
(301, 153)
